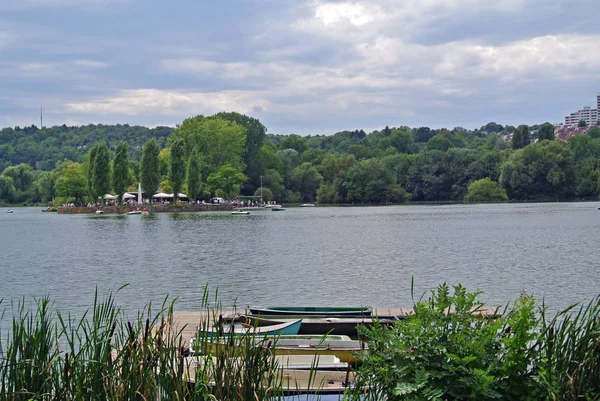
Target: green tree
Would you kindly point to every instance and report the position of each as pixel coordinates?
(149, 170)
(546, 131)
(306, 180)
(194, 175)
(71, 183)
(120, 170)
(7, 189)
(256, 133)
(594, 132)
(101, 172)
(264, 193)
(439, 142)
(22, 176)
(328, 193)
(295, 142)
(541, 170)
(220, 141)
(45, 186)
(227, 179)
(582, 124)
(274, 181)
(521, 137)
(177, 167)
(370, 181)
(485, 190)
(90, 170)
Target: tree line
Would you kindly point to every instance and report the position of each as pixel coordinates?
(228, 154)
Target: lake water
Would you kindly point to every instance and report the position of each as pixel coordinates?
(305, 256)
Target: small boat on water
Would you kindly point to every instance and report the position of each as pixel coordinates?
(240, 212)
(145, 212)
(299, 362)
(134, 212)
(277, 208)
(312, 311)
(9, 211)
(99, 211)
(319, 326)
(287, 328)
(307, 205)
(341, 347)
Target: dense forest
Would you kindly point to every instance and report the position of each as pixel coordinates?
(229, 154)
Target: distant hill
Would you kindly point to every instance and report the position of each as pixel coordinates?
(42, 148)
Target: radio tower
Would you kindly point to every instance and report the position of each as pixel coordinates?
(41, 119)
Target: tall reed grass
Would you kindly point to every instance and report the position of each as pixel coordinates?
(569, 367)
(103, 355)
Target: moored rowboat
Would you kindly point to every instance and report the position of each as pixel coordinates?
(344, 326)
(285, 328)
(311, 311)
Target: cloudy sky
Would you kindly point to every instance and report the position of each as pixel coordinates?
(306, 67)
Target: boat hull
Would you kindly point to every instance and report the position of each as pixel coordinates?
(321, 326)
(311, 311)
(280, 328)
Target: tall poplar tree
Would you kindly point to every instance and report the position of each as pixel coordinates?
(90, 171)
(521, 137)
(546, 131)
(120, 171)
(149, 170)
(194, 175)
(177, 167)
(101, 171)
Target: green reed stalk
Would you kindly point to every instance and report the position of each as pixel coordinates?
(570, 344)
(104, 356)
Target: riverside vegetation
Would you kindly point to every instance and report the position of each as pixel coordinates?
(229, 154)
(445, 350)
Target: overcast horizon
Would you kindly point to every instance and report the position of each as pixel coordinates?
(304, 67)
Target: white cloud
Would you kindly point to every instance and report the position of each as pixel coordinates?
(167, 102)
(562, 56)
(354, 13)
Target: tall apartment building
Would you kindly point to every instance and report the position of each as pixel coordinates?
(589, 115)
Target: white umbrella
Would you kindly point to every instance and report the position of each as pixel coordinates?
(162, 195)
(128, 196)
(109, 196)
(180, 195)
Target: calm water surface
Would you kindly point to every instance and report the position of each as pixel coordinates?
(318, 256)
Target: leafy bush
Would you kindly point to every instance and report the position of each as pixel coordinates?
(449, 350)
(485, 190)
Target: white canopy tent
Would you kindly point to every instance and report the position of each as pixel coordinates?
(162, 195)
(127, 195)
(109, 196)
(180, 195)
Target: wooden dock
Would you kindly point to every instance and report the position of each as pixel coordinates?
(188, 321)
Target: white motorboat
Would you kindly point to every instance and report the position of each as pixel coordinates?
(240, 212)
